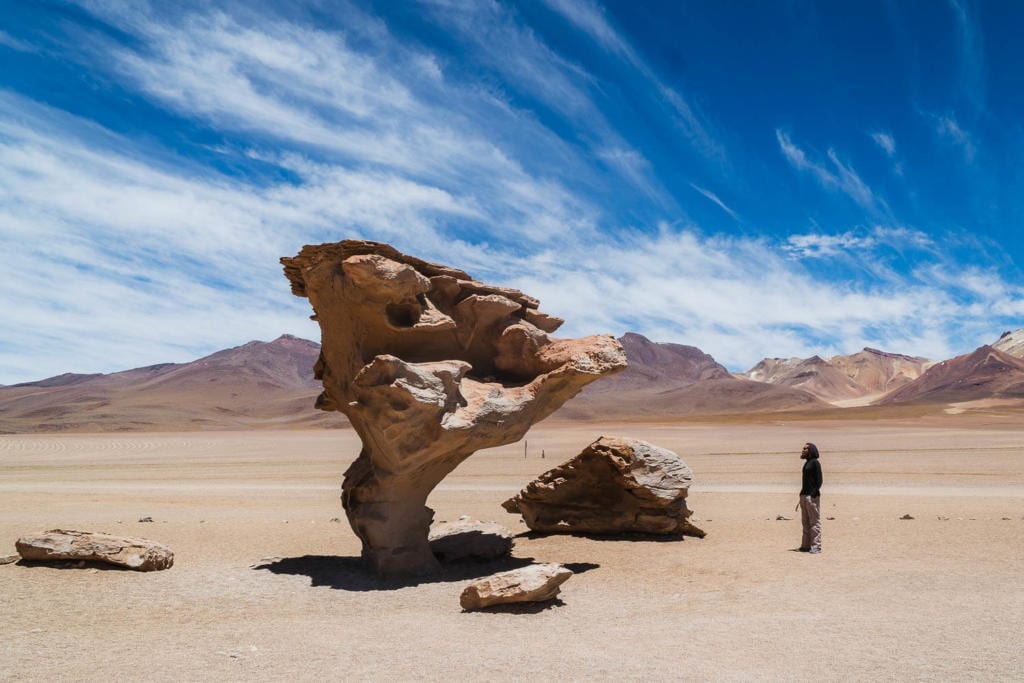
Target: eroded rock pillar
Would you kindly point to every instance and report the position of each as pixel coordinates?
(430, 366)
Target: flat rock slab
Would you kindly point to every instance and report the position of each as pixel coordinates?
(535, 583)
(468, 539)
(59, 544)
(614, 486)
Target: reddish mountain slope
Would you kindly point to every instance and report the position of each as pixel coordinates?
(259, 384)
(672, 380)
(660, 366)
(983, 373)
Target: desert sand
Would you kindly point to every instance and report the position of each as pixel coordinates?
(266, 584)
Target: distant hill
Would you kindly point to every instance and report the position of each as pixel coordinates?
(259, 384)
(671, 380)
(867, 373)
(879, 372)
(263, 385)
(984, 373)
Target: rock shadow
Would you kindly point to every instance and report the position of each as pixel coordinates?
(631, 536)
(352, 574)
(79, 565)
(580, 567)
(520, 607)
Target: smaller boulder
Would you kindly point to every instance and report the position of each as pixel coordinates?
(535, 583)
(468, 539)
(59, 544)
(614, 486)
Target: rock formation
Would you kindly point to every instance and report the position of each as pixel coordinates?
(134, 553)
(535, 583)
(429, 366)
(468, 539)
(615, 485)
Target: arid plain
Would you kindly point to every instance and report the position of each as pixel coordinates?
(266, 584)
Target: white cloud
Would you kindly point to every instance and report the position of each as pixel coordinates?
(120, 254)
(886, 142)
(743, 299)
(499, 41)
(164, 266)
(7, 40)
(714, 198)
(972, 55)
(948, 128)
(120, 262)
(840, 176)
(589, 18)
(818, 246)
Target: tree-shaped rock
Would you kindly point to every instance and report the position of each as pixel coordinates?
(430, 366)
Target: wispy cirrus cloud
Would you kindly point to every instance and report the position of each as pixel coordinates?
(972, 55)
(949, 129)
(532, 70)
(7, 40)
(590, 18)
(155, 254)
(836, 176)
(885, 142)
(130, 253)
(383, 107)
(715, 200)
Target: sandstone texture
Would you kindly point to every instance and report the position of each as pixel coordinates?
(468, 539)
(535, 583)
(614, 486)
(123, 551)
(429, 365)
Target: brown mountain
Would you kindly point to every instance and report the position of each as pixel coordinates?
(672, 380)
(983, 373)
(879, 371)
(660, 366)
(869, 372)
(814, 375)
(259, 384)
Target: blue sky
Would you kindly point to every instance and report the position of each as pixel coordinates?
(752, 178)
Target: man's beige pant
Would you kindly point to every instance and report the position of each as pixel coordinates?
(810, 515)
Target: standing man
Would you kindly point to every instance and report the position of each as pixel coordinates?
(810, 500)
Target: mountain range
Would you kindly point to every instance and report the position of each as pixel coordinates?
(259, 384)
(844, 380)
(271, 385)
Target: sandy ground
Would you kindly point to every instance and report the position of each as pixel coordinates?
(938, 597)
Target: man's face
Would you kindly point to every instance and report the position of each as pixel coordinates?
(803, 453)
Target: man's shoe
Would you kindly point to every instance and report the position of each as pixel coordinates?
(814, 551)
(804, 550)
